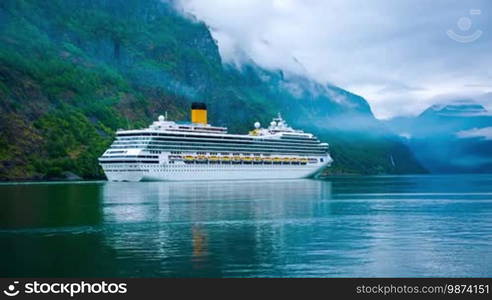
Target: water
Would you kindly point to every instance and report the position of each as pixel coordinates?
(343, 227)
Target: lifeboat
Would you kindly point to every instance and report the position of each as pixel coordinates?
(247, 158)
(225, 158)
(189, 157)
(214, 158)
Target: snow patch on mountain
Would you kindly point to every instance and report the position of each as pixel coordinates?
(482, 133)
(459, 108)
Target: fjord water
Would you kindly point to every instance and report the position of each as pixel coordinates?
(345, 226)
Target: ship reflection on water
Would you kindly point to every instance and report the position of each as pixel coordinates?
(234, 228)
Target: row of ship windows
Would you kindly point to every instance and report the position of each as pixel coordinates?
(241, 163)
(196, 162)
(116, 151)
(267, 146)
(176, 167)
(231, 143)
(270, 152)
(245, 152)
(287, 151)
(264, 141)
(103, 161)
(203, 153)
(130, 156)
(225, 153)
(176, 170)
(217, 153)
(240, 138)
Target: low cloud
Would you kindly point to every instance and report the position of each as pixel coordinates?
(396, 54)
(481, 133)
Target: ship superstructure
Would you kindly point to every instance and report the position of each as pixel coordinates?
(167, 150)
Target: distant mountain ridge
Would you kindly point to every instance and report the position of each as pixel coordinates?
(72, 72)
(457, 108)
(453, 137)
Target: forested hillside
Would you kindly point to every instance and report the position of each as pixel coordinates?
(72, 72)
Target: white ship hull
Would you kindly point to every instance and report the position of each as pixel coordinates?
(213, 172)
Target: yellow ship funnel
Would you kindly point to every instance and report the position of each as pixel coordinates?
(198, 113)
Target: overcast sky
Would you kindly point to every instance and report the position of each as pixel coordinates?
(400, 55)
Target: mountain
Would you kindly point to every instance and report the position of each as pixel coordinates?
(454, 137)
(72, 72)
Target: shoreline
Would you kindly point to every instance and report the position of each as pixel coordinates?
(101, 180)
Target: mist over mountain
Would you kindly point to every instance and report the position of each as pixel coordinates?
(72, 72)
(453, 137)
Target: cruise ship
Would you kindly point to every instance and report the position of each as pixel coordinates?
(173, 151)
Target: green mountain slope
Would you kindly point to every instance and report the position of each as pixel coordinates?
(72, 72)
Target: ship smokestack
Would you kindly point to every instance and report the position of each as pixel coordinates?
(199, 113)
